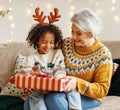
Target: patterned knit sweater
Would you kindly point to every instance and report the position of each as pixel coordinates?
(92, 66)
(51, 63)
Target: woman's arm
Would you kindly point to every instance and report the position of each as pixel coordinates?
(101, 82)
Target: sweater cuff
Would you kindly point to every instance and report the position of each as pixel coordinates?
(86, 88)
(82, 86)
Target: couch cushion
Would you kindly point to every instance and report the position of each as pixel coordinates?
(113, 47)
(109, 103)
(8, 55)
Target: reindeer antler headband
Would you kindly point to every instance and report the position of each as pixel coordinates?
(40, 17)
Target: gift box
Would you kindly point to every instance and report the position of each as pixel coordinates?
(40, 83)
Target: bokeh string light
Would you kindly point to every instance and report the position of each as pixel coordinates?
(100, 6)
(112, 8)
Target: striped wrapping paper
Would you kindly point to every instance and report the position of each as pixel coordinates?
(40, 83)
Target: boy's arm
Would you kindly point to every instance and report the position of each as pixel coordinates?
(59, 69)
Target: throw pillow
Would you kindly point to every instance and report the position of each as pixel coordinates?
(10, 89)
(19, 63)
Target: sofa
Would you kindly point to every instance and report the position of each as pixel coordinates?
(8, 56)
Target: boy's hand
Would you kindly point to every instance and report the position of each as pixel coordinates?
(32, 72)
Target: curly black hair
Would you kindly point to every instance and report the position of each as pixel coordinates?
(38, 30)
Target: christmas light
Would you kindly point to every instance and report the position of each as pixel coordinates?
(13, 15)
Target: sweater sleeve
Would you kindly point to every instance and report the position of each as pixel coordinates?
(59, 69)
(99, 87)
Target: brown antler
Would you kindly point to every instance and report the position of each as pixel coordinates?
(53, 18)
(39, 16)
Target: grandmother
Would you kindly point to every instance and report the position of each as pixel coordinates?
(88, 63)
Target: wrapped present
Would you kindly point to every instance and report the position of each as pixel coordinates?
(40, 82)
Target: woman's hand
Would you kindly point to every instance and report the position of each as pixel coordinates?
(71, 85)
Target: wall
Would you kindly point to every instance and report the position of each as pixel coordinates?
(15, 25)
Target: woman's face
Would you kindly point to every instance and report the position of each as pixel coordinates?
(46, 43)
(80, 37)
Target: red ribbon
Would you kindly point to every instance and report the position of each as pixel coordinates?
(43, 75)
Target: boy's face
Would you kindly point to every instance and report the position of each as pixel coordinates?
(46, 43)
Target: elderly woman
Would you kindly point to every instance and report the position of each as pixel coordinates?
(88, 63)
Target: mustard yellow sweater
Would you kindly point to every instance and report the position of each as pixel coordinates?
(92, 66)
